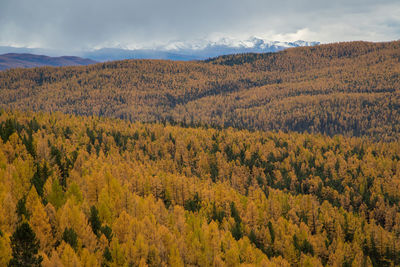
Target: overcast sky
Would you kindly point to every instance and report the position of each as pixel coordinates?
(83, 24)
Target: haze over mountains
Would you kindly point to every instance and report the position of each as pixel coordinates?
(172, 51)
(13, 60)
(194, 51)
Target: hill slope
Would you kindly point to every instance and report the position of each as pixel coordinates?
(105, 192)
(345, 88)
(14, 60)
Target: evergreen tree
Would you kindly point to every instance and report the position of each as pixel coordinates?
(40, 177)
(94, 220)
(22, 212)
(107, 257)
(70, 237)
(25, 247)
(107, 231)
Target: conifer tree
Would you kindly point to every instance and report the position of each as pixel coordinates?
(25, 247)
(94, 220)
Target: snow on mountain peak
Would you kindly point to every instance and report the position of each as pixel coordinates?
(253, 42)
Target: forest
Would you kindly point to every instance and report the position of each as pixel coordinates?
(275, 159)
(349, 88)
(97, 191)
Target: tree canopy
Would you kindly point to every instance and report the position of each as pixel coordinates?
(345, 88)
(119, 193)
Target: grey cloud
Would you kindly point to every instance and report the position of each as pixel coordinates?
(82, 24)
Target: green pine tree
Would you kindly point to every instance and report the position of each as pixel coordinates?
(25, 247)
(94, 220)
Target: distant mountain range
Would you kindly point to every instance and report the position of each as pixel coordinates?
(194, 51)
(14, 60)
(174, 50)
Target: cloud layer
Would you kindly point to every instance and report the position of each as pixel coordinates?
(83, 24)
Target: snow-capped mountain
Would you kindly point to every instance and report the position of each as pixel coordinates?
(197, 50)
(254, 43)
(177, 50)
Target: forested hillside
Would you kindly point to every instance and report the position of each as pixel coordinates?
(345, 88)
(90, 191)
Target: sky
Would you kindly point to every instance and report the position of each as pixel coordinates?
(82, 24)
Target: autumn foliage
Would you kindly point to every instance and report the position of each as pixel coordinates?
(99, 191)
(346, 88)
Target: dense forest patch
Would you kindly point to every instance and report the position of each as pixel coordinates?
(98, 191)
